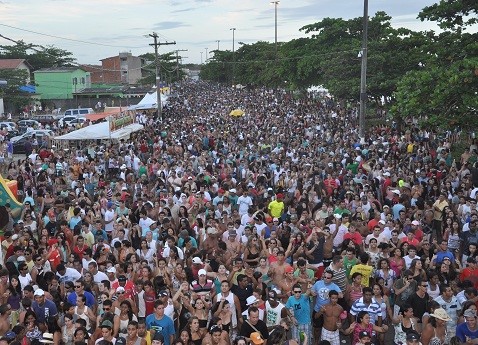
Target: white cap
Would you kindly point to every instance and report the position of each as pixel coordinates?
(202, 272)
(39, 292)
(251, 300)
(177, 189)
(232, 190)
(123, 167)
(21, 259)
(415, 222)
(386, 173)
(111, 270)
(197, 260)
(124, 188)
(14, 237)
(338, 216)
(120, 289)
(396, 191)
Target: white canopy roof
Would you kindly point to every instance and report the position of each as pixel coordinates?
(100, 131)
(149, 101)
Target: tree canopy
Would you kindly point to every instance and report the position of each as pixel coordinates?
(427, 74)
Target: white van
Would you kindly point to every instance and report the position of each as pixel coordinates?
(78, 111)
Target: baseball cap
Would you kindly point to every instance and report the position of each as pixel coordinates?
(197, 260)
(120, 289)
(111, 270)
(469, 313)
(202, 272)
(39, 292)
(106, 324)
(413, 336)
(256, 338)
(158, 336)
(251, 300)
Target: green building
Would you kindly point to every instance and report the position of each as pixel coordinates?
(61, 82)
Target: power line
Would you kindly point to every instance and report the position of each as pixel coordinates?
(69, 39)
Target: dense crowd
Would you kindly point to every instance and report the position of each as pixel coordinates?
(277, 227)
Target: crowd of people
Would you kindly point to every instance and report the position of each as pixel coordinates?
(278, 227)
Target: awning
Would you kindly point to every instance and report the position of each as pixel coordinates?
(99, 116)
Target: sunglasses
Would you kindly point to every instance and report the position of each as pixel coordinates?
(297, 291)
(77, 286)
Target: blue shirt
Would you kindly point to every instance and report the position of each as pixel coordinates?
(441, 255)
(301, 309)
(462, 331)
(165, 326)
(322, 291)
(90, 299)
(193, 242)
(44, 311)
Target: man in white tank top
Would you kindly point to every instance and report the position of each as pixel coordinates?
(234, 303)
(274, 311)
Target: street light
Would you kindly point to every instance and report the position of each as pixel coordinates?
(275, 5)
(218, 44)
(201, 58)
(205, 55)
(233, 56)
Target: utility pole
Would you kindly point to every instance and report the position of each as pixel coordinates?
(363, 74)
(177, 61)
(275, 3)
(156, 45)
(218, 44)
(233, 57)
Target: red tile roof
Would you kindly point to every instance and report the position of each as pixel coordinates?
(10, 63)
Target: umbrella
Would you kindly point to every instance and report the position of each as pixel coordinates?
(237, 113)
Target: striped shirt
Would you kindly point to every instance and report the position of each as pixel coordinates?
(373, 309)
(340, 277)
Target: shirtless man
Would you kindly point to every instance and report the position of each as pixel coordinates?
(233, 246)
(332, 320)
(277, 270)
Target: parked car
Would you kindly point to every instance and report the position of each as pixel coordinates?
(65, 121)
(45, 119)
(78, 121)
(10, 127)
(24, 124)
(40, 134)
(79, 111)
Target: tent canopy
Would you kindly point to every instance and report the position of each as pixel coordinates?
(149, 101)
(100, 131)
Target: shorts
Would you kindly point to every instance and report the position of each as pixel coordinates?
(332, 336)
(317, 322)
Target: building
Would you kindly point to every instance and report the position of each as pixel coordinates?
(19, 64)
(60, 83)
(123, 69)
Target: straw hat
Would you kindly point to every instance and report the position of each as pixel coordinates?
(441, 314)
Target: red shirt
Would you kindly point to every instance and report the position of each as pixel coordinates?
(355, 237)
(54, 258)
(149, 299)
(129, 288)
(471, 275)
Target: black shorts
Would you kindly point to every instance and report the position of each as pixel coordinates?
(317, 322)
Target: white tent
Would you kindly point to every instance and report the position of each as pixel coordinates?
(149, 101)
(100, 131)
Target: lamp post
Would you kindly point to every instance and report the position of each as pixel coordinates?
(205, 55)
(233, 57)
(218, 44)
(201, 58)
(275, 12)
(363, 74)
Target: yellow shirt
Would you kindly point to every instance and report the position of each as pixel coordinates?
(276, 208)
(366, 272)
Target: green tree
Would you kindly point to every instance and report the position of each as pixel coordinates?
(168, 68)
(444, 91)
(11, 94)
(37, 56)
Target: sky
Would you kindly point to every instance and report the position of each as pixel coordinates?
(107, 27)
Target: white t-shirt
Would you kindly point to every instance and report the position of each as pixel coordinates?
(109, 215)
(244, 202)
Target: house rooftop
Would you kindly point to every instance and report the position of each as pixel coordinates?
(59, 69)
(12, 63)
